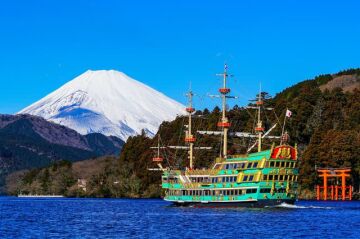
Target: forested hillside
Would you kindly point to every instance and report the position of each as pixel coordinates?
(325, 125)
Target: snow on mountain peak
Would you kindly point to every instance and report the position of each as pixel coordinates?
(108, 102)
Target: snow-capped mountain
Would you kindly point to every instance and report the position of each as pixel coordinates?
(107, 102)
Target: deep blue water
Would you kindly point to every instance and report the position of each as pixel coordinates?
(122, 218)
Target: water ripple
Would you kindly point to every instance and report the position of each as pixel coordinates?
(124, 218)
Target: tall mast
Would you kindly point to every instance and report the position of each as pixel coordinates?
(189, 138)
(225, 124)
(259, 128)
(158, 159)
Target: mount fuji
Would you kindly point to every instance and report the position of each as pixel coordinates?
(107, 102)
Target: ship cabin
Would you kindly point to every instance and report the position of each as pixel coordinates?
(269, 174)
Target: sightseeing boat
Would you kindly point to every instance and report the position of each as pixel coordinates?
(267, 177)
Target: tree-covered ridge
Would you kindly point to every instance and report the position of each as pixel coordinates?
(324, 124)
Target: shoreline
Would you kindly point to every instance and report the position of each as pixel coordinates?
(139, 198)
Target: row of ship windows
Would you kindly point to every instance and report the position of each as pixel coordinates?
(280, 164)
(279, 177)
(228, 192)
(246, 178)
(249, 165)
(237, 165)
(230, 179)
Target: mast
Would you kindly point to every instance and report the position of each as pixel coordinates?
(259, 129)
(158, 159)
(189, 138)
(158, 148)
(225, 124)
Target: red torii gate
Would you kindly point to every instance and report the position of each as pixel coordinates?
(326, 173)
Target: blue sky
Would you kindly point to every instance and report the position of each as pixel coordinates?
(167, 44)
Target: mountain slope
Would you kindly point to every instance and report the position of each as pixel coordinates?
(30, 142)
(107, 102)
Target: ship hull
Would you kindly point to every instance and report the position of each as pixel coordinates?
(245, 204)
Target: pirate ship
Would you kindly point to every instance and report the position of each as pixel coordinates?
(255, 179)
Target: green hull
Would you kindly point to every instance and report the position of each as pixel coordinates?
(264, 178)
(248, 204)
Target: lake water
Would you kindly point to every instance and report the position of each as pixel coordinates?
(125, 218)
